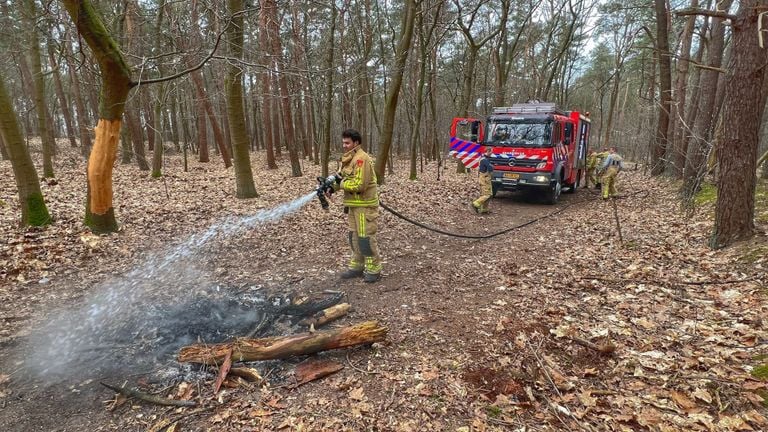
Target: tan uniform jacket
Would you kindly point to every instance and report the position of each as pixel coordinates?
(359, 179)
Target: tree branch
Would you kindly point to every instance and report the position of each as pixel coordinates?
(200, 64)
(705, 12)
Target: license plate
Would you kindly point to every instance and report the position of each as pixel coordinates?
(511, 176)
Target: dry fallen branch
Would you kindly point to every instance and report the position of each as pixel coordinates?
(223, 371)
(285, 346)
(311, 370)
(606, 348)
(326, 315)
(249, 374)
(157, 400)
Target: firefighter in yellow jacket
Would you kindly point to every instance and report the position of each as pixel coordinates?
(485, 170)
(610, 168)
(361, 203)
(594, 162)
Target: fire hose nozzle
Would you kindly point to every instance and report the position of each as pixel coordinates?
(325, 188)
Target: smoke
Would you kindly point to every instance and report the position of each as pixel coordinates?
(132, 323)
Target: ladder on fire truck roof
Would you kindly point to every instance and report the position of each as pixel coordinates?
(530, 108)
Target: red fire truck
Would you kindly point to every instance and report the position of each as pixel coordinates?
(536, 147)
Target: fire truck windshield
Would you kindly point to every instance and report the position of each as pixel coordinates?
(519, 134)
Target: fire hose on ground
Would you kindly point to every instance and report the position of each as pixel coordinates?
(325, 188)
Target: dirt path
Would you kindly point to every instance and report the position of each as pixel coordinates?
(478, 328)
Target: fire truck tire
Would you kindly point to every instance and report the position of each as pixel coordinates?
(553, 194)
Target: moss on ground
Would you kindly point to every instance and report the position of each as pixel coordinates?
(707, 194)
(761, 372)
(761, 201)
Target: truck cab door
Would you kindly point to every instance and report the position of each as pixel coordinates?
(467, 129)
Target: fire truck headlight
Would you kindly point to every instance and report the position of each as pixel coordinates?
(541, 165)
(540, 179)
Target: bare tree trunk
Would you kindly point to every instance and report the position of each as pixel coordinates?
(705, 122)
(3, 151)
(157, 132)
(234, 89)
(160, 101)
(393, 95)
(116, 83)
(43, 118)
(65, 111)
(676, 158)
(132, 23)
(33, 209)
(202, 95)
(133, 123)
(735, 208)
(325, 154)
(665, 87)
(269, 8)
(611, 108)
(266, 92)
(424, 41)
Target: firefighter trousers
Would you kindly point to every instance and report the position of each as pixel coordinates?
(591, 177)
(362, 239)
(486, 191)
(609, 182)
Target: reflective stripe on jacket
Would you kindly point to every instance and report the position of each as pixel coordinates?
(359, 179)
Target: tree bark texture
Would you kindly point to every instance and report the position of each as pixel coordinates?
(665, 88)
(677, 149)
(269, 7)
(699, 145)
(160, 100)
(65, 111)
(116, 83)
(284, 346)
(234, 88)
(737, 153)
(393, 95)
(325, 154)
(33, 209)
(38, 84)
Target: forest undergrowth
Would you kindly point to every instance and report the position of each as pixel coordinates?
(560, 325)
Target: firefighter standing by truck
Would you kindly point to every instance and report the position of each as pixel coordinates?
(361, 203)
(610, 168)
(594, 161)
(485, 169)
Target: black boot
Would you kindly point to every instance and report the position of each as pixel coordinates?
(351, 274)
(371, 277)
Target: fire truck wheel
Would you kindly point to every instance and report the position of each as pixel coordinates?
(553, 195)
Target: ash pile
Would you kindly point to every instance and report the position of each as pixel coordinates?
(143, 338)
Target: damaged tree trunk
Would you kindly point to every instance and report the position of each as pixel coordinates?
(284, 346)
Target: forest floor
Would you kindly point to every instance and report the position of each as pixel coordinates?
(558, 325)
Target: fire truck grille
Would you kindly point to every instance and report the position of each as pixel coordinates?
(513, 162)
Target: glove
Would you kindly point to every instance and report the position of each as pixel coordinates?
(325, 188)
(325, 185)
